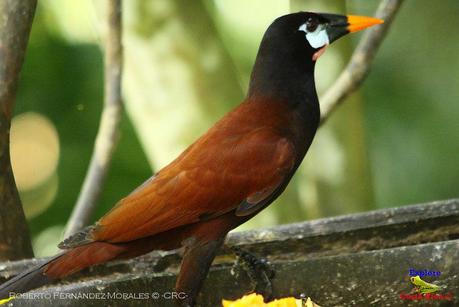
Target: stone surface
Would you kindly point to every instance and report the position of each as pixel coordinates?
(353, 260)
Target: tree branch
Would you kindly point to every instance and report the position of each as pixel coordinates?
(16, 18)
(359, 65)
(108, 133)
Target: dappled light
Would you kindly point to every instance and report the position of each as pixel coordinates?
(35, 157)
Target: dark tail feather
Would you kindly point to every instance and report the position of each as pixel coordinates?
(28, 280)
(59, 266)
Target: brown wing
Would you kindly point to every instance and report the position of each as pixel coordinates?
(237, 159)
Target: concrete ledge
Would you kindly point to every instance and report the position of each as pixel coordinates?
(352, 260)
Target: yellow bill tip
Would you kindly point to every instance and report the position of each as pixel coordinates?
(357, 23)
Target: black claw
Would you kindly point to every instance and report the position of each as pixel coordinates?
(257, 269)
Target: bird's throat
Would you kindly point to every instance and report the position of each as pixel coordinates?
(292, 82)
(318, 53)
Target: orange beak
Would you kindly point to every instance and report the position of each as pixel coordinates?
(357, 23)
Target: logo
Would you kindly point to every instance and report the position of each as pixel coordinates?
(422, 286)
(422, 273)
(424, 290)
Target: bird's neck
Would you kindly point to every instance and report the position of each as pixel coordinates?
(289, 81)
(283, 72)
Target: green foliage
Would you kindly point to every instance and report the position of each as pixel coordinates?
(64, 82)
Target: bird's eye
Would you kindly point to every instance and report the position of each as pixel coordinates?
(311, 25)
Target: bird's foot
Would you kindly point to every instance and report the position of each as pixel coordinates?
(257, 269)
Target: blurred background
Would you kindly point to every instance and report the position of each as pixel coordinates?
(394, 142)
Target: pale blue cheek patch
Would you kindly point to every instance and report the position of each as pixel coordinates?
(316, 39)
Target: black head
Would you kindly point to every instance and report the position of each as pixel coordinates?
(291, 46)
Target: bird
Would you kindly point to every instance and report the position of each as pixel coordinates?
(228, 175)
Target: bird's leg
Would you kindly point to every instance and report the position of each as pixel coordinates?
(258, 270)
(195, 264)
